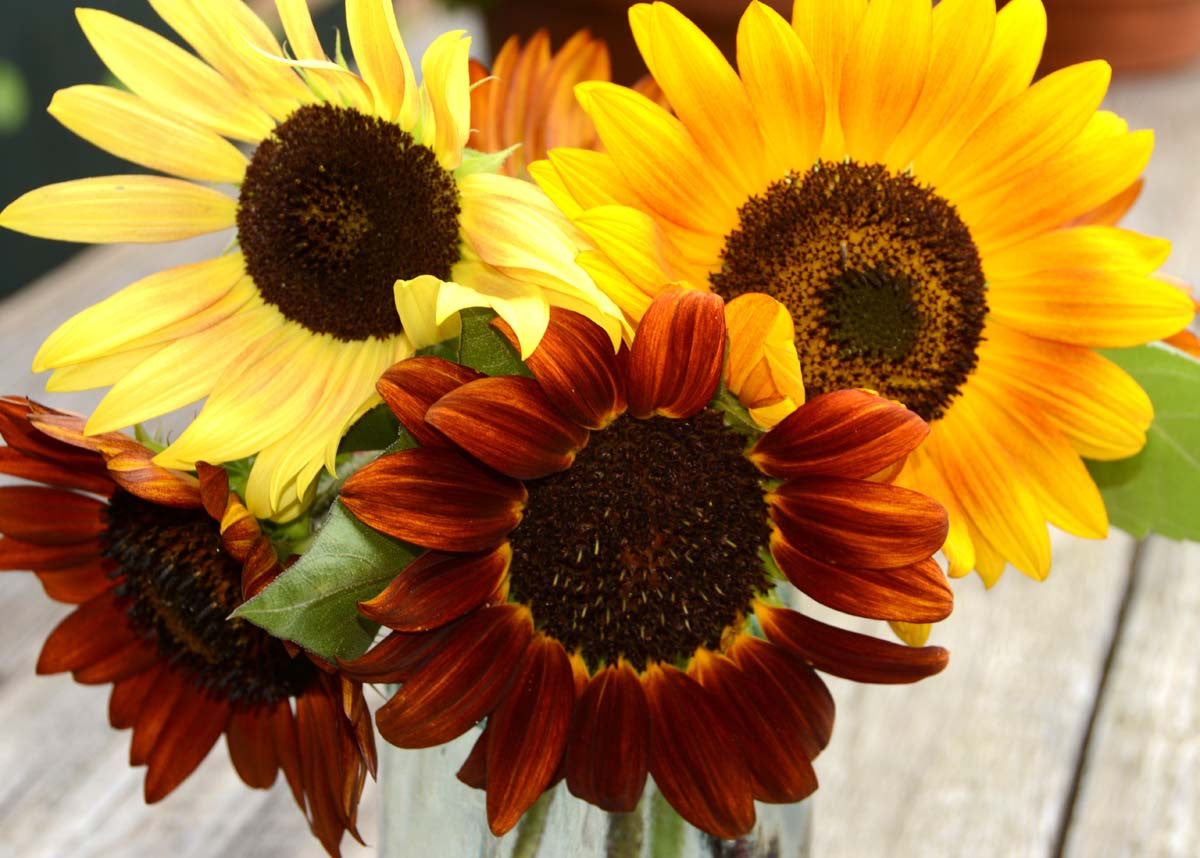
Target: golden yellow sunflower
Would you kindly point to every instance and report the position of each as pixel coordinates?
(359, 214)
(886, 202)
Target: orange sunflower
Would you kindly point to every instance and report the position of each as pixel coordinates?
(887, 203)
(603, 551)
(156, 560)
(526, 100)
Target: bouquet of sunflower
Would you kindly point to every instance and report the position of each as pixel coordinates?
(537, 400)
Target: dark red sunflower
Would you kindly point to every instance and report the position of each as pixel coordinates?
(156, 560)
(599, 580)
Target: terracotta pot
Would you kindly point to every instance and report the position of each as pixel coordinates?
(608, 19)
(1133, 35)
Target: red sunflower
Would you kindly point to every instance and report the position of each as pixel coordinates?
(156, 560)
(598, 585)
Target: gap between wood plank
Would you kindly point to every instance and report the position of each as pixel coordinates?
(1072, 798)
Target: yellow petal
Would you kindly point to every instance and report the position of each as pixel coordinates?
(883, 75)
(827, 30)
(109, 209)
(1089, 307)
(632, 240)
(590, 178)
(983, 477)
(298, 27)
(784, 89)
(762, 365)
(1098, 247)
(99, 372)
(329, 80)
(1097, 405)
(226, 34)
(1050, 468)
(131, 128)
(962, 35)
(524, 307)
(921, 474)
(1012, 58)
(703, 90)
(172, 79)
(138, 310)
(1073, 182)
(1028, 129)
(659, 159)
(181, 372)
(448, 86)
(383, 60)
(913, 634)
(632, 301)
(416, 304)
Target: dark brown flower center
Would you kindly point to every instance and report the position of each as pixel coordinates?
(180, 586)
(648, 545)
(881, 276)
(336, 206)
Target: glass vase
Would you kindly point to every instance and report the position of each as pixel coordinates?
(426, 810)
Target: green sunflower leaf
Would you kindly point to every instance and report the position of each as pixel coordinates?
(375, 430)
(1158, 489)
(483, 348)
(315, 601)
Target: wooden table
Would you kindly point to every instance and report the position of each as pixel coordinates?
(1067, 723)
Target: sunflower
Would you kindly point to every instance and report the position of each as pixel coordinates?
(887, 203)
(102, 531)
(358, 215)
(599, 576)
(525, 100)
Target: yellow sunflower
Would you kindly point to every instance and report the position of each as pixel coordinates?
(886, 202)
(363, 226)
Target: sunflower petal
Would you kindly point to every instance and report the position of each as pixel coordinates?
(410, 387)
(608, 749)
(438, 588)
(383, 60)
(446, 83)
(828, 30)
(675, 363)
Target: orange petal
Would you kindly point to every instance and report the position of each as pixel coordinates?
(608, 750)
(675, 363)
(438, 588)
(412, 385)
(49, 516)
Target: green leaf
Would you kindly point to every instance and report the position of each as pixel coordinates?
(483, 348)
(1159, 488)
(315, 602)
(375, 430)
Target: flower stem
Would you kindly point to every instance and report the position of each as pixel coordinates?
(532, 826)
(666, 829)
(625, 834)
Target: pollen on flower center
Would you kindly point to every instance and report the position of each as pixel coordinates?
(180, 587)
(648, 545)
(336, 206)
(881, 276)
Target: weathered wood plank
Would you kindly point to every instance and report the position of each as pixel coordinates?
(1140, 794)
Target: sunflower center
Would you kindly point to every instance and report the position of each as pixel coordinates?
(180, 586)
(648, 545)
(881, 276)
(336, 206)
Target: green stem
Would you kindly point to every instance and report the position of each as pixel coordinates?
(532, 826)
(625, 834)
(667, 830)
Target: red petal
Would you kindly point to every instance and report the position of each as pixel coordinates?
(412, 385)
(135, 473)
(848, 654)
(287, 748)
(677, 355)
(437, 588)
(436, 499)
(125, 703)
(91, 633)
(774, 717)
(17, 464)
(155, 711)
(576, 366)
(78, 584)
(332, 782)
(528, 733)
(252, 747)
(608, 752)
(128, 661)
(857, 522)
(49, 516)
(461, 683)
(690, 755)
(848, 433)
(15, 554)
(396, 657)
(474, 768)
(507, 423)
(195, 724)
(20, 433)
(916, 593)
